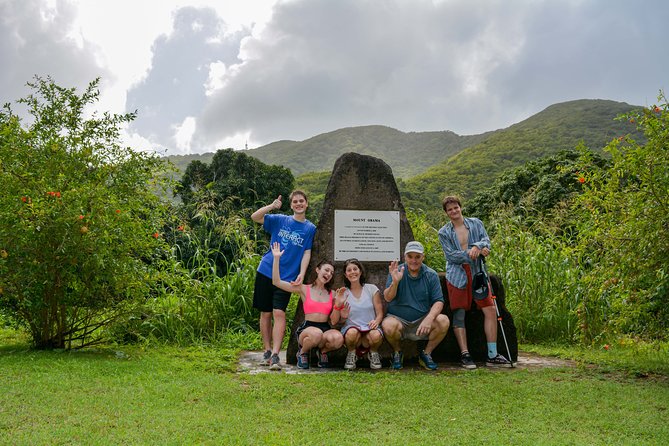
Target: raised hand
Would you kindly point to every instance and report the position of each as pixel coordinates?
(395, 272)
(276, 204)
(277, 252)
(340, 297)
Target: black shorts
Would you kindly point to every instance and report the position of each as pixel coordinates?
(267, 297)
(324, 326)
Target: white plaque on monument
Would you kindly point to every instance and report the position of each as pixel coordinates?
(371, 236)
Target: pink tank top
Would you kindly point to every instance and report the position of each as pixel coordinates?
(312, 306)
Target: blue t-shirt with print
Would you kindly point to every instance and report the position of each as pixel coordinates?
(294, 236)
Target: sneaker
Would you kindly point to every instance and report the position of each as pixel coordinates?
(498, 361)
(274, 363)
(323, 360)
(351, 359)
(374, 360)
(398, 358)
(302, 360)
(425, 359)
(265, 358)
(467, 362)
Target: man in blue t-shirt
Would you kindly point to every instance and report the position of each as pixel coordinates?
(415, 301)
(295, 234)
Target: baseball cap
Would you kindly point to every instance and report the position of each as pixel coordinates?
(414, 247)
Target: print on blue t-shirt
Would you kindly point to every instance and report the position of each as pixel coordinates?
(294, 237)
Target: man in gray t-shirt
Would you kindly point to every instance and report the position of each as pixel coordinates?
(415, 302)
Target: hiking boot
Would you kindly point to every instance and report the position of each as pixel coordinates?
(351, 359)
(467, 362)
(374, 360)
(323, 360)
(265, 358)
(425, 359)
(302, 360)
(274, 363)
(498, 361)
(398, 358)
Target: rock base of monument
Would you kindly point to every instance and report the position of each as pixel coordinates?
(448, 349)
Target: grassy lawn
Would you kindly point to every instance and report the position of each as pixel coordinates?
(164, 395)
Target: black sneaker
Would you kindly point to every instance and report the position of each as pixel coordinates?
(498, 361)
(467, 362)
(274, 362)
(265, 357)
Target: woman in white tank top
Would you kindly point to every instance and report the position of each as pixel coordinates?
(364, 311)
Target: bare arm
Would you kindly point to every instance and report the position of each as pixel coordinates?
(397, 274)
(276, 274)
(338, 305)
(306, 257)
(259, 215)
(378, 310)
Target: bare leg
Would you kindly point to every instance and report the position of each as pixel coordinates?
(393, 330)
(352, 339)
(310, 338)
(373, 340)
(279, 330)
(266, 330)
(461, 337)
(490, 323)
(438, 332)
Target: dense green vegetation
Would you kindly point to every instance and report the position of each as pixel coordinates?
(80, 224)
(188, 267)
(559, 127)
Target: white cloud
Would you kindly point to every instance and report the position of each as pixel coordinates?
(260, 71)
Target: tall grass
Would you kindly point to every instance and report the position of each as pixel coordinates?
(541, 279)
(198, 303)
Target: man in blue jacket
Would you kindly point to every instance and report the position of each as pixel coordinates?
(463, 241)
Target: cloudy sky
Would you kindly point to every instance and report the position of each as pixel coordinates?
(205, 75)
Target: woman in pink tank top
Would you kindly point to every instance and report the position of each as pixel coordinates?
(318, 303)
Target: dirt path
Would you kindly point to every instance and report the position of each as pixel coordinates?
(248, 362)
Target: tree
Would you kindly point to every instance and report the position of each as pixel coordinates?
(624, 231)
(218, 200)
(79, 218)
(235, 177)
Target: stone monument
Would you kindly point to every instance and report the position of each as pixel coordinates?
(364, 183)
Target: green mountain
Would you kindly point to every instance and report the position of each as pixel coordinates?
(560, 126)
(408, 154)
(428, 165)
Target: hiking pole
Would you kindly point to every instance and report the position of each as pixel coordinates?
(499, 316)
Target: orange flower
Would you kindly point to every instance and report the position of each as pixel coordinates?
(81, 217)
(24, 199)
(118, 211)
(606, 347)
(57, 194)
(180, 228)
(657, 109)
(156, 235)
(621, 138)
(581, 180)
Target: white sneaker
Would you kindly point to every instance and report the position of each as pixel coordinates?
(351, 359)
(374, 360)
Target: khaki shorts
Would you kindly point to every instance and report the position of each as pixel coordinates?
(409, 328)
